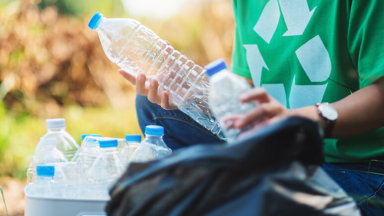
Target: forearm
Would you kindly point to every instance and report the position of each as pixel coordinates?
(360, 112)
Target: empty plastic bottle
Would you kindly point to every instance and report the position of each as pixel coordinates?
(224, 93)
(88, 152)
(153, 147)
(55, 134)
(46, 153)
(45, 185)
(65, 142)
(107, 167)
(137, 49)
(132, 142)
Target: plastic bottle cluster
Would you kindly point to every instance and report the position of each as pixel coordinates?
(61, 169)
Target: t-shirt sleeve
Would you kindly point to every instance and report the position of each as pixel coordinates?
(239, 58)
(365, 39)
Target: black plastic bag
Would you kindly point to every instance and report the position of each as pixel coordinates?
(274, 172)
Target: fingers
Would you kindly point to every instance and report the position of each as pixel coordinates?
(261, 113)
(140, 84)
(165, 103)
(259, 94)
(153, 94)
(149, 88)
(128, 76)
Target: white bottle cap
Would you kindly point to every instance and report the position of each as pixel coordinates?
(55, 123)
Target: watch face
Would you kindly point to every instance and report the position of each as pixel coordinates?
(328, 111)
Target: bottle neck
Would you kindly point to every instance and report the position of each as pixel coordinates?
(152, 137)
(155, 140)
(100, 27)
(108, 150)
(45, 178)
(55, 130)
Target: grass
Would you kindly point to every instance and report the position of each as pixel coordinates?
(20, 133)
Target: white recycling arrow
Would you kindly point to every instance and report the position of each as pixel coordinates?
(277, 91)
(296, 15)
(256, 63)
(315, 60)
(306, 95)
(268, 21)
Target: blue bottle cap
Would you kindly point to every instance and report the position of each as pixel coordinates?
(154, 130)
(95, 20)
(92, 135)
(133, 138)
(48, 171)
(215, 67)
(108, 143)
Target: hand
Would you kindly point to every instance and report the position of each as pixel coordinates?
(267, 111)
(149, 89)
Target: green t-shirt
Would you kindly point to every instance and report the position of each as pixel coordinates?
(308, 51)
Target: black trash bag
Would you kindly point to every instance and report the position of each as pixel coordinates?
(274, 172)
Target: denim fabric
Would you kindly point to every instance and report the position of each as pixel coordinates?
(364, 182)
(179, 129)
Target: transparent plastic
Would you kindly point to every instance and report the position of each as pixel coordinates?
(44, 186)
(106, 169)
(137, 49)
(87, 153)
(224, 93)
(131, 144)
(153, 147)
(46, 153)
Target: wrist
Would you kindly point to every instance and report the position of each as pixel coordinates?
(329, 115)
(310, 112)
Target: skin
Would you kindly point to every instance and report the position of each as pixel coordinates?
(151, 91)
(358, 113)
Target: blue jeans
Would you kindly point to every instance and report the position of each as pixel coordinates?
(179, 129)
(364, 182)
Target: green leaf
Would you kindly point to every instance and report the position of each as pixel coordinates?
(2, 194)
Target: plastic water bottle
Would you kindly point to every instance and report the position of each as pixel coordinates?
(88, 152)
(45, 185)
(224, 93)
(137, 49)
(153, 147)
(66, 143)
(55, 134)
(107, 168)
(46, 153)
(132, 142)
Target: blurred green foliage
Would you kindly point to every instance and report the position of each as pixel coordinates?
(80, 8)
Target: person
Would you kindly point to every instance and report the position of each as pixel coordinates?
(323, 60)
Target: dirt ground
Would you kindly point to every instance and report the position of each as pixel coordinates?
(14, 196)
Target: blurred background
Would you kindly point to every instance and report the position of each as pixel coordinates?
(52, 65)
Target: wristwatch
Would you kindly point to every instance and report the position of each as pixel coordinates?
(329, 114)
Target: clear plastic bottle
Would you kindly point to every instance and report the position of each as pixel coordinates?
(107, 168)
(45, 185)
(153, 147)
(137, 49)
(64, 143)
(46, 153)
(132, 142)
(224, 93)
(88, 152)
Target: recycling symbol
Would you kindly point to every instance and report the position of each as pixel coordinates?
(312, 55)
